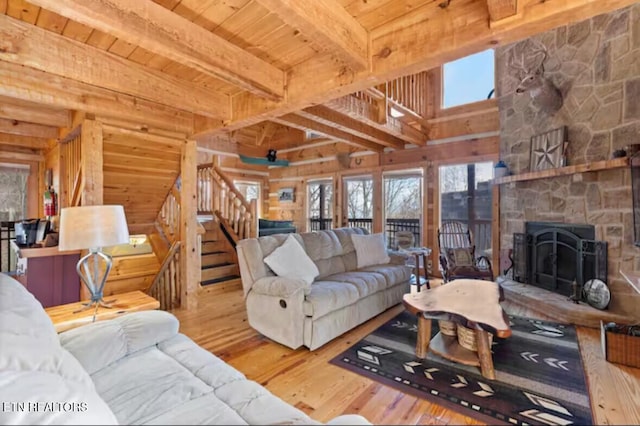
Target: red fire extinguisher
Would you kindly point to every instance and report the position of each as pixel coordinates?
(49, 202)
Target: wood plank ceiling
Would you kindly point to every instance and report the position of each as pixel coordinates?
(248, 73)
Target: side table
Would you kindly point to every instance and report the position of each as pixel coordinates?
(66, 317)
(420, 255)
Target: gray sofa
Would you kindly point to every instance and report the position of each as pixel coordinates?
(136, 369)
(341, 297)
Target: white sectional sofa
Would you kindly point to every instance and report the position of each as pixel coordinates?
(136, 369)
(295, 313)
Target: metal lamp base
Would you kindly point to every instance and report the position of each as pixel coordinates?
(89, 273)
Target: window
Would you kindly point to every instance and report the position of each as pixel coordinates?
(359, 201)
(13, 207)
(465, 196)
(250, 191)
(320, 202)
(403, 206)
(469, 79)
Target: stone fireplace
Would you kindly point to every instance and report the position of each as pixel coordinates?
(596, 66)
(559, 257)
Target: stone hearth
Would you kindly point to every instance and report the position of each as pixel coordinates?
(557, 306)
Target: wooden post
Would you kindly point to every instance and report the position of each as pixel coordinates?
(254, 218)
(378, 224)
(424, 335)
(190, 261)
(91, 163)
(484, 354)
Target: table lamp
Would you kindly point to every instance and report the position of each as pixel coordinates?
(93, 227)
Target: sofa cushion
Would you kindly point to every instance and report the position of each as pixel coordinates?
(291, 261)
(327, 296)
(324, 248)
(395, 274)
(102, 343)
(370, 249)
(366, 282)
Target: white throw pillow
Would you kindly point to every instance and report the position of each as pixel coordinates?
(370, 249)
(291, 261)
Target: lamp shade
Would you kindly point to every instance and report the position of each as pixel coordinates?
(92, 227)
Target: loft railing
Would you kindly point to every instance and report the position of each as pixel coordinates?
(217, 195)
(405, 94)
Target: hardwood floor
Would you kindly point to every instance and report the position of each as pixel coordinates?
(307, 380)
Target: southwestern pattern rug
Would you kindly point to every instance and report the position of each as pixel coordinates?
(539, 374)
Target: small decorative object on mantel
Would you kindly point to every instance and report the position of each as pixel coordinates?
(500, 170)
(596, 293)
(548, 149)
(619, 153)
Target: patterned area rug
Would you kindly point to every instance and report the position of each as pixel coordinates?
(539, 373)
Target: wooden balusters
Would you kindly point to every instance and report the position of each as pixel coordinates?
(218, 195)
(169, 215)
(166, 286)
(71, 178)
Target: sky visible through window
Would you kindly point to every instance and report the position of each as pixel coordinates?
(468, 79)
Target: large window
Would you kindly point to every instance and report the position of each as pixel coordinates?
(465, 196)
(359, 201)
(13, 207)
(320, 202)
(403, 206)
(469, 79)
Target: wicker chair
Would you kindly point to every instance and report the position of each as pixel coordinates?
(457, 254)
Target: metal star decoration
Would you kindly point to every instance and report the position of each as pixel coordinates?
(546, 154)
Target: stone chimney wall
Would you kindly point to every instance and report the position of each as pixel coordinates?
(596, 66)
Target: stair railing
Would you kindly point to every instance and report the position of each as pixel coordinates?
(169, 215)
(218, 195)
(71, 178)
(167, 286)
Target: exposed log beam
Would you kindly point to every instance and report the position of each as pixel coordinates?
(500, 9)
(444, 152)
(325, 115)
(266, 132)
(369, 114)
(15, 127)
(161, 31)
(14, 109)
(31, 46)
(398, 48)
(23, 141)
(20, 156)
(328, 24)
(40, 87)
(303, 123)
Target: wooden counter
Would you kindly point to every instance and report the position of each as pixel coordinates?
(31, 252)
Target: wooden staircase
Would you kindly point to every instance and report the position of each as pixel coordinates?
(219, 262)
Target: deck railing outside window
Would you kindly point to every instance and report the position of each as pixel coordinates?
(7, 256)
(392, 226)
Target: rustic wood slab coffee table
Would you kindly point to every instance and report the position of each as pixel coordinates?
(474, 304)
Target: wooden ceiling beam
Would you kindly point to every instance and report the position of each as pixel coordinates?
(14, 109)
(31, 46)
(304, 123)
(15, 127)
(325, 115)
(36, 86)
(500, 9)
(161, 31)
(423, 39)
(31, 142)
(328, 24)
